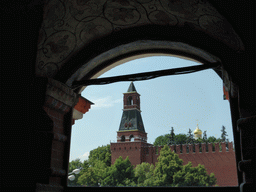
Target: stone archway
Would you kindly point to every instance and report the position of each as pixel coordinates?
(71, 28)
(24, 93)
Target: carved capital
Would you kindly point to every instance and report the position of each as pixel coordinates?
(59, 96)
(61, 92)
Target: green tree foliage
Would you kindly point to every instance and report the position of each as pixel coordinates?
(193, 176)
(171, 138)
(93, 175)
(169, 171)
(190, 137)
(99, 158)
(144, 174)
(214, 140)
(102, 153)
(204, 136)
(180, 139)
(120, 173)
(89, 178)
(223, 134)
(168, 163)
(75, 164)
(163, 139)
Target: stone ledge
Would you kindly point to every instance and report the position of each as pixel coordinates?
(61, 92)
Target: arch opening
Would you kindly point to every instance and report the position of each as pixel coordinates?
(166, 84)
(130, 100)
(122, 138)
(137, 50)
(131, 138)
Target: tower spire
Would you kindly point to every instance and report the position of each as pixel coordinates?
(131, 88)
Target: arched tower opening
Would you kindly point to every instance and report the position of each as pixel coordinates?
(131, 138)
(129, 100)
(122, 138)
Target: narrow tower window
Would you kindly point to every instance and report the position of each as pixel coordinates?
(130, 101)
(122, 138)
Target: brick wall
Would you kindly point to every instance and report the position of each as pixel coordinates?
(124, 149)
(58, 144)
(221, 163)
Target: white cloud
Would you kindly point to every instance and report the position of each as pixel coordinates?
(84, 156)
(105, 102)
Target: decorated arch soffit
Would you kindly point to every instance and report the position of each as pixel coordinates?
(69, 25)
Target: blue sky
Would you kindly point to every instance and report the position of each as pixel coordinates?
(178, 101)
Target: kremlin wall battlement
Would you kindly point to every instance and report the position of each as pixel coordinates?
(220, 162)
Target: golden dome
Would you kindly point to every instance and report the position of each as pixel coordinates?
(197, 130)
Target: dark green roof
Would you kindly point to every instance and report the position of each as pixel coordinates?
(131, 88)
(131, 120)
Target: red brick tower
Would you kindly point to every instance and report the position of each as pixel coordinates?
(131, 136)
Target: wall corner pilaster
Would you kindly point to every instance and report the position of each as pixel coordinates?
(59, 96)
(58, 103)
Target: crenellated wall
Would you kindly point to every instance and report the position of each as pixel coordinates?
(220, 162)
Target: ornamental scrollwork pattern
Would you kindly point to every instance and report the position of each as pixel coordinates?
(69, 25)
(121, 12)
